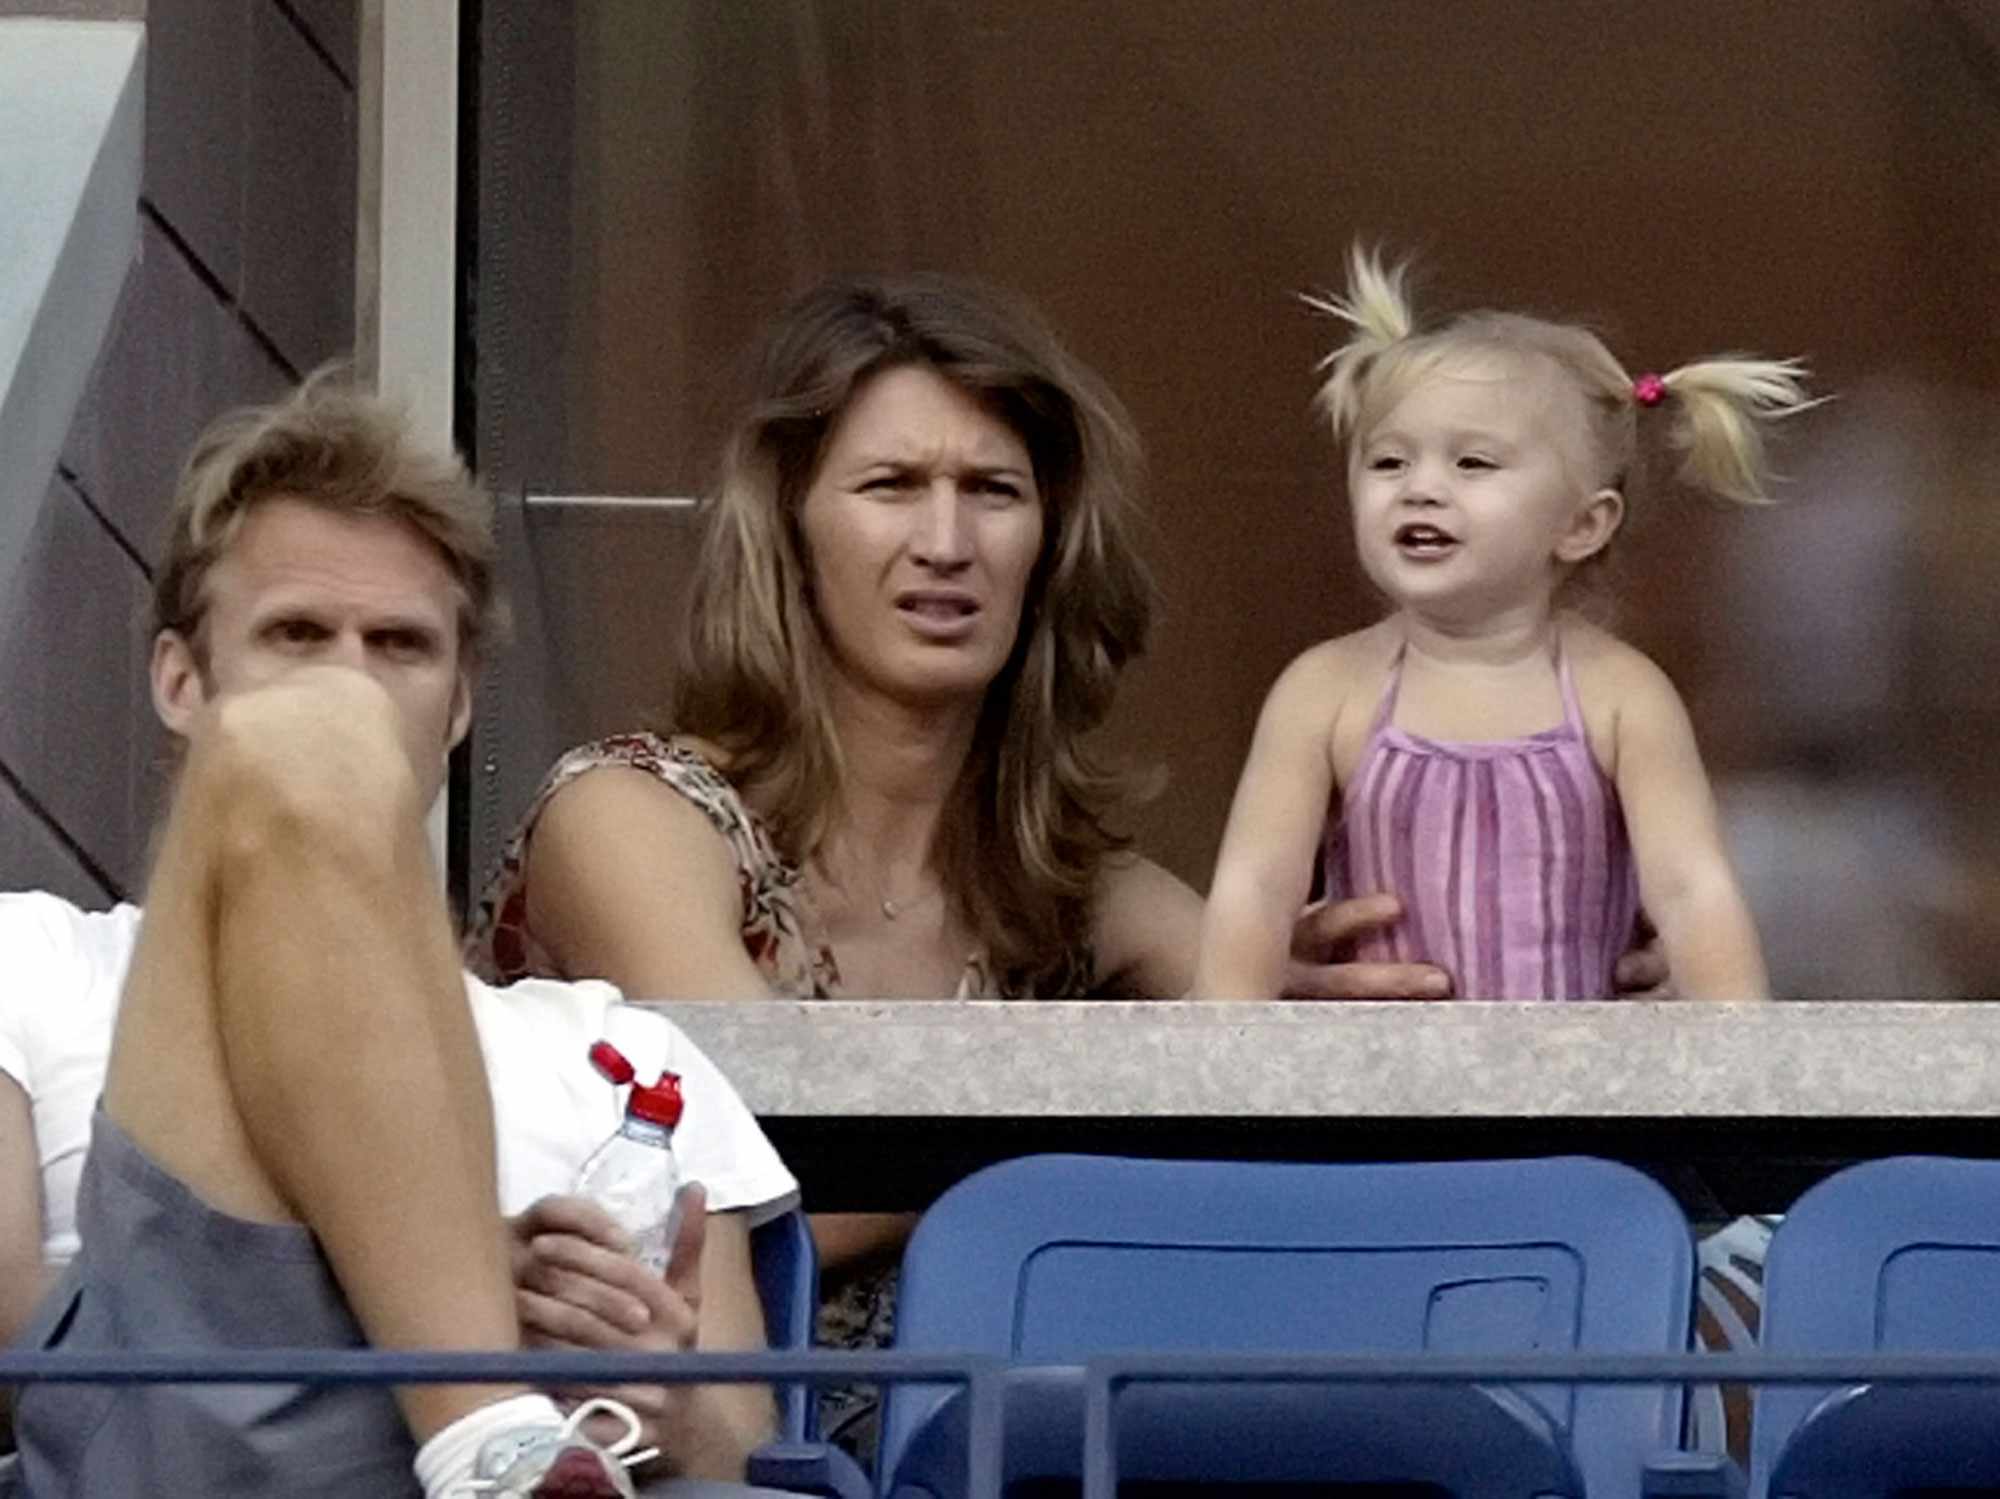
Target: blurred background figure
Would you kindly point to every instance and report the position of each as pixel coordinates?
(1860, 805)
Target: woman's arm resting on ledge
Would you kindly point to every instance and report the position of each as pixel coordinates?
(629, 881)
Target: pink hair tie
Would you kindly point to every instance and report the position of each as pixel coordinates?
(1649, 390)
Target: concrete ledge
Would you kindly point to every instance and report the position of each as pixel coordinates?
(1636, 1060)
(72, 118)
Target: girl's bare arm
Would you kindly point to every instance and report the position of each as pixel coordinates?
(1264, 871)
(1686, 881)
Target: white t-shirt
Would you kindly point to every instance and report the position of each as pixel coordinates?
(62, 969)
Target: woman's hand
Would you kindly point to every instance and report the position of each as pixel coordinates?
(577, 1286)
(1323, 966)
(1322, 962)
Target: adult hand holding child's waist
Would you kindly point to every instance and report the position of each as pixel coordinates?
(1323, 965)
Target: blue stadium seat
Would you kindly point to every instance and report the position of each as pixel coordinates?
(785, 1262)
(1049, 1260)
(786, 1266)
(1893, 1256)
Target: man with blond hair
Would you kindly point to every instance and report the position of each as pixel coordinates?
(311, 1117)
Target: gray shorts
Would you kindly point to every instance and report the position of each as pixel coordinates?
(162, 1271)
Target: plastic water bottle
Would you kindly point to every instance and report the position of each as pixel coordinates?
(633, 1175)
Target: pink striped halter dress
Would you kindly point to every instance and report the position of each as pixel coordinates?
(1510, 857)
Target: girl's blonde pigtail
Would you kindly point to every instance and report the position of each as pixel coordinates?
(1722, 408)
(1378, 312)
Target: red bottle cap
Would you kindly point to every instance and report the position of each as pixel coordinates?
(610, 1063)
(659, 1103)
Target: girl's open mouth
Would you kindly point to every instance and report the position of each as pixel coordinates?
(1422, 540)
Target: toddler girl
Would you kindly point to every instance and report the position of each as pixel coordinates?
(1521, 780)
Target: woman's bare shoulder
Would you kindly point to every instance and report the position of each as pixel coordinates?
(617, 818)
(1145, 922)
(1132, 878)
(630, 880)
(644, 787)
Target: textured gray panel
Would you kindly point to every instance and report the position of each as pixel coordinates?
(72, 143)
(176, 358)
(336, 26)
(298, 251)
(197, 62)
(1091, 1063)
(32, 859)
(69, 652)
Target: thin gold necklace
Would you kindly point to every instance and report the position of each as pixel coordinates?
(893, 909)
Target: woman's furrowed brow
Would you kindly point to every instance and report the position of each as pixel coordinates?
(926, 463)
